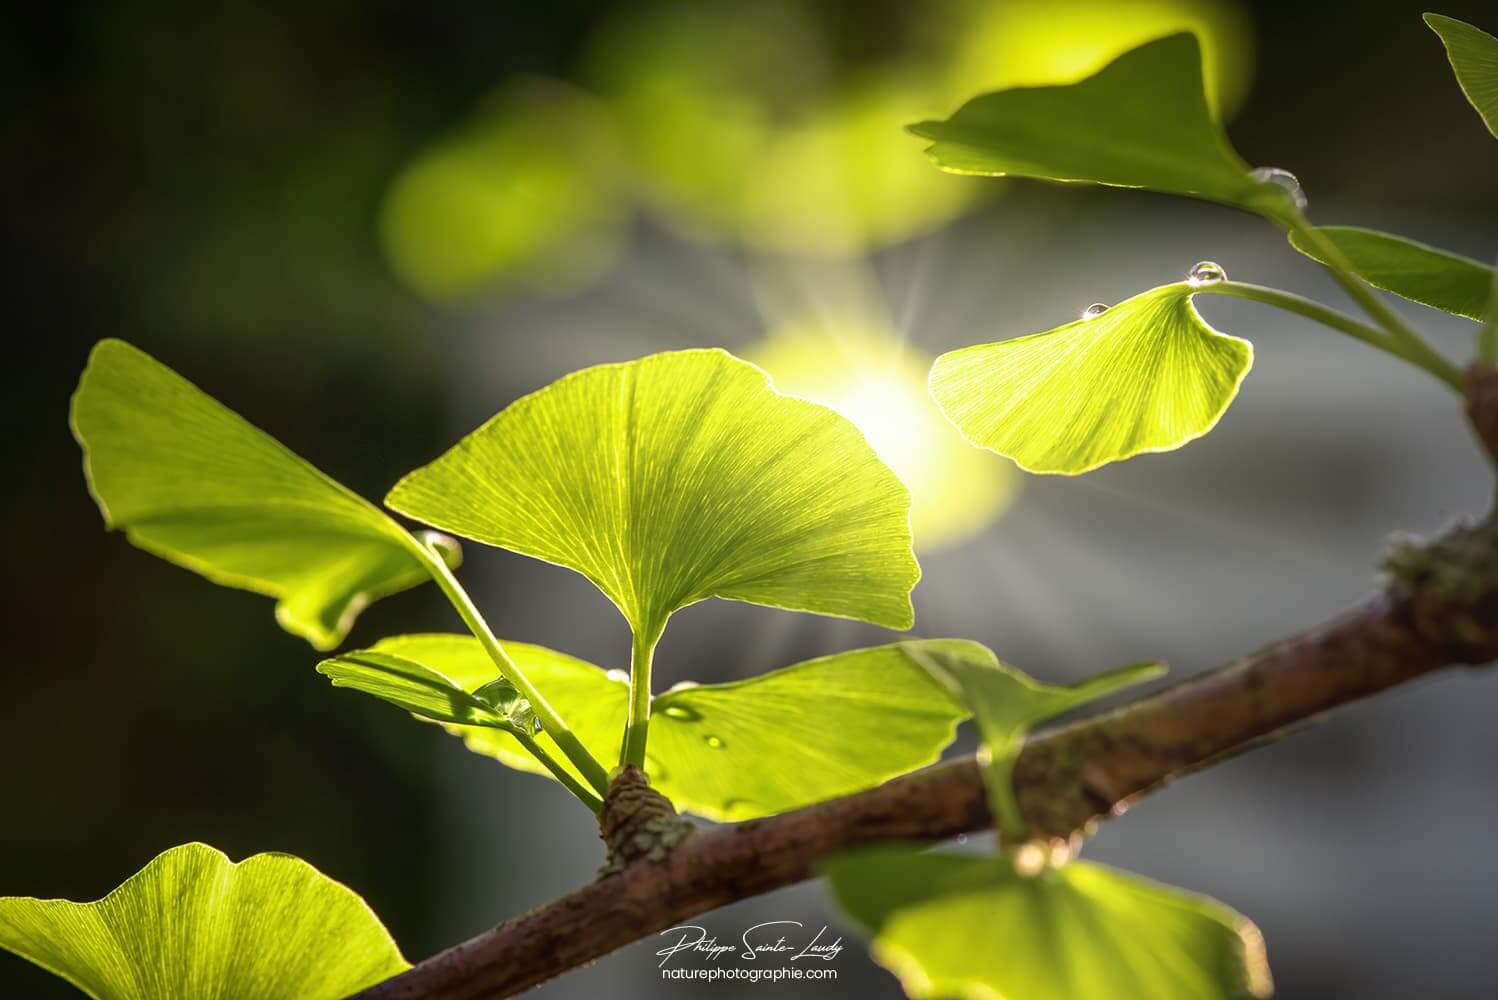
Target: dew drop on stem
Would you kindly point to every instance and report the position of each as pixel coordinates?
(1283, 179)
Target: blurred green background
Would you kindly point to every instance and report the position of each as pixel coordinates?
(322, 212)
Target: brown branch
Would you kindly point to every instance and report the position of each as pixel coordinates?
(1067, 779)
(1439, 609)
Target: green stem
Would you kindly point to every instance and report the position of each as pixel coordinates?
(1412, 345)
(557, 729)
(582, 791)
(998, 776)
(637, 729)
(1425, 359)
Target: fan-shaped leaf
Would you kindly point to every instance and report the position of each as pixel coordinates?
(193, 482)
(973, 928)
(1142, 121)
(194, 924)
(1147, 375)
(1427, 275)
(1474, 58)
(678, 477)
(813, 731)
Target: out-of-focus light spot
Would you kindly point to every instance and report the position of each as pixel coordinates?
(880, 385)
(743, 124)
(1027, 43)
(524, 195)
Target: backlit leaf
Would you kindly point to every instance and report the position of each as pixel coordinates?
(816, 730)
(1474, 57)
(678, 477)
(1142, 121)
(191, 481)
(1427, 275)
(1147, 375)
(193, 924)
(973, 928)
(416, 688)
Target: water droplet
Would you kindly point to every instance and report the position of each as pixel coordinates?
(617, 675)
(1282, 179)
(1095, 310)
(538, 724)
(1205, 273)
(678, 712)
(713, 741)
(683, 686)
(1030, 860)
(961, 839)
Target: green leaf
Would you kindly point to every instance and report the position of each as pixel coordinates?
(813, 731)
(972, 927)
(426, 692)
(678, 477)
(1474, 57)
(1427, 275)
(194, 924)
(1147, 375)
(1006, 702)
(191, 481)
(1142, 121)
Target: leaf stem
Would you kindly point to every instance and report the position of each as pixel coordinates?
(637, 728)
(1422, 357)
(553, 724)
(1413, 347)
(589, 797)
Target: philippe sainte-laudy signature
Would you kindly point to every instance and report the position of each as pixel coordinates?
(762, 941)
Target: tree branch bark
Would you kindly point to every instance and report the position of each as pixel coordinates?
(1438, 609)
(1067, 779)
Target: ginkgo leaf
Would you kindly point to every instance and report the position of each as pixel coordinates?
(191, 481)
(974, 928)
(678, 477)
(1424, 274)
(1007, 702)
(1142, 121)
(194, 924)
(423, 691)
(1474, 58)
(813, 731)
(1147, 375)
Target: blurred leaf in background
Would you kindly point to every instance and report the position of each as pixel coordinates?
(525, 193)
(776, 126)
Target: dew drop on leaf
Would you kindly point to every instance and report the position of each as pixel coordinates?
(677, 712)
(1205, 273)
(1283, 179)
(1095, 310)
(713, 741)
(615, 674)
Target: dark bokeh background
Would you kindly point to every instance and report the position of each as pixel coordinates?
(203, 180)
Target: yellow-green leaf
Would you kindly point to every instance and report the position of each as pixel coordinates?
(973, 928)
(194, 924)
(191, 481)
(1424, 274)
(1142, 121)
(813, 731)
(1474, 58)
(678, 477)
(1147, 375)
(421, 690)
